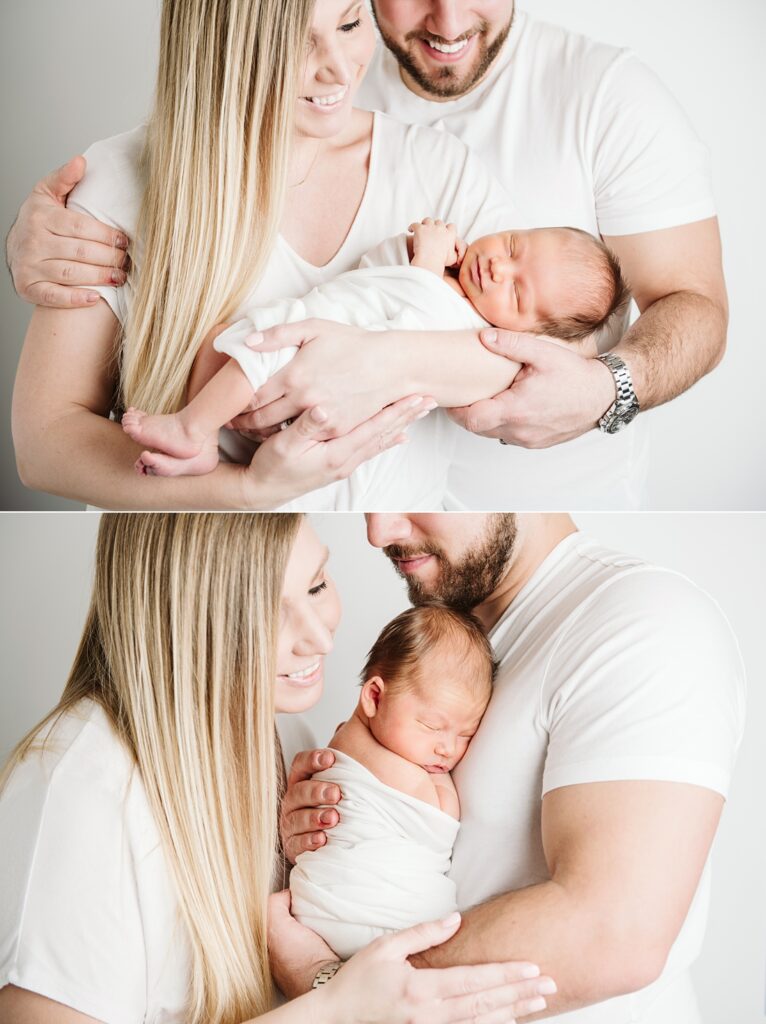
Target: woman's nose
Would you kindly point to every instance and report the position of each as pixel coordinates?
(333, 66)
(314, 637)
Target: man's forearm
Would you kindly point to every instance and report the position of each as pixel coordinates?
(452, 366)
(674, 343)
(589, 954)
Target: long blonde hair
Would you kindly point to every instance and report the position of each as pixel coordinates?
(215, 168)
(179, 648)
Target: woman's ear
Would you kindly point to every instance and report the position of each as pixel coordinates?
(372, 691)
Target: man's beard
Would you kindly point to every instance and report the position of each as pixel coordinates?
(466, 584)
(448, 84)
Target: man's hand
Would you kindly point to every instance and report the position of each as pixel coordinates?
(52, 252)
(304, 815)
(557, 395)
(435, 245)
(296, 953)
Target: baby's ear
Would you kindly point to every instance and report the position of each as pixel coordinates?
(372, 691)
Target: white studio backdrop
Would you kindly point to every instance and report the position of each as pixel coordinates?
(71, 76)
(47, 562)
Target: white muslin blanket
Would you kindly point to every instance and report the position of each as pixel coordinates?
(383, 867)
(372, 297)
(385, 293)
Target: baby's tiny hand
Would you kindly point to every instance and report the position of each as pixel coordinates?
(435, 240)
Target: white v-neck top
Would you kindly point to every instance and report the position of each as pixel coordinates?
(414, 172)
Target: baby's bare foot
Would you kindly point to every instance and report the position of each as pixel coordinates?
(167, 433)
(159, 464)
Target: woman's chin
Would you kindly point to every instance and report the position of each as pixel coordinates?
(292, 699)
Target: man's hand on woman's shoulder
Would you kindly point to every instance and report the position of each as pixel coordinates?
(54, 254)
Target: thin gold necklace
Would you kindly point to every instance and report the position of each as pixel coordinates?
(303, 181)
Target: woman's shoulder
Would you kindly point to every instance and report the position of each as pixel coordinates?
(114, 182)
(83, 882)
(78, 773)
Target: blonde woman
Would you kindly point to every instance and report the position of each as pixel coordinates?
(139, 819)
(255, 179)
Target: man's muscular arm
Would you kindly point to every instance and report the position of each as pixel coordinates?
(677, 280)
(624, 859)
(676, 276)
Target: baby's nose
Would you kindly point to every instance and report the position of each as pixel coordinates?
(498, 265)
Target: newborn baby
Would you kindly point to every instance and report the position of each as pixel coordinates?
(559, 282)
(425, 687)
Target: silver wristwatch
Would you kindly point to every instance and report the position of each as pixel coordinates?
(625, 406)
(326, 973)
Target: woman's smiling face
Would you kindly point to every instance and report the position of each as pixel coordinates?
(309, 616)
(341, 44)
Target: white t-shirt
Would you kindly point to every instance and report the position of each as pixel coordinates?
(581, 134)
(610, 669)
(88, 910)
(414, 172)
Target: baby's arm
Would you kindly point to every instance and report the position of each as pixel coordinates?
(435, 246)
(447, 794)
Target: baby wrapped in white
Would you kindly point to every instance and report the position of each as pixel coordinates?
(385, 293)
(383, 868)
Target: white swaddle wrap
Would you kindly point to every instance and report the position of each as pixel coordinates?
(383, 867)
(385, 293)
(374, 298)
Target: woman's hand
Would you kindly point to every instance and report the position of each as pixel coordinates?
(351, 373)
(296, 460)
(304, 814)
(380, 986)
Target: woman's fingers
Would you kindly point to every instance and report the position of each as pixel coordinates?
(268, 416)
(306, 762)
(457, 981)
(516, 1000)
(418, 938)
(380, 432)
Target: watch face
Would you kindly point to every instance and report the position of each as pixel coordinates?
(621, 418)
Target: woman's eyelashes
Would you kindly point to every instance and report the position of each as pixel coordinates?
(351, 25)
(317, 590)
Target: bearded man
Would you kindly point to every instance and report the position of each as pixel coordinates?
(592, 791)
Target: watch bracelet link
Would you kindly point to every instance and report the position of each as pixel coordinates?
(326, 973)
(625, 406)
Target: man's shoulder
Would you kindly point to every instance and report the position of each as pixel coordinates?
(547, 42)
(613, 591)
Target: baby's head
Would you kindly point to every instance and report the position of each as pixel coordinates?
(426, 684)
(561, 282)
